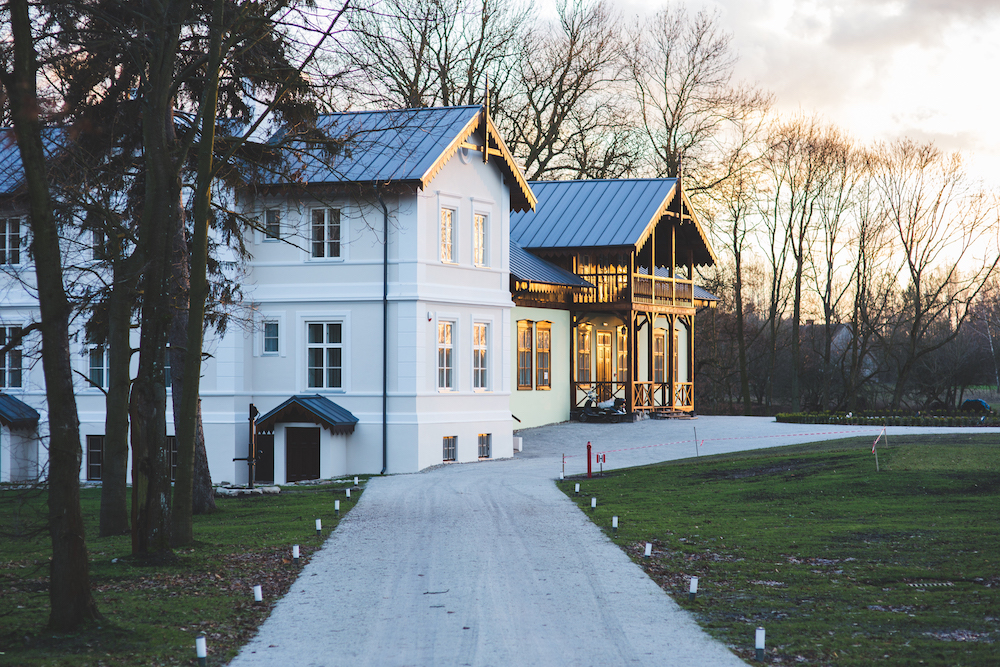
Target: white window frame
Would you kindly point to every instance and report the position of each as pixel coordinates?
(9, 240)
(447, 375)
(447, 236)
(264, 338)
(327, 346)
(265, 235)
(484, 443)
(481, 356)
(6, 359)
(327, 227)
(480, 239)
(104, 368)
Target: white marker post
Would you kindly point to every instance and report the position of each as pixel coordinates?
(693, 590)
(319, 526)
(614, 524)
(258, 594)
(696, 442)
(649, 550)
(759, 644)
(593, 504)
(348, 493)
(336, 507)
(201, 650)
(578, 487)
(355, 480)
(295, 554)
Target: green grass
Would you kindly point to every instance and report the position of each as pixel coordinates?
(837, 562)
(153, 612)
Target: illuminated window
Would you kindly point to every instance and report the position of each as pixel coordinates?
(659, 343)
(583, 354)
(447, 235)
(524, 352)
(485, 445)
(479, 235)
(446, 355)
(449, 442)
(480, 355)
(622, 368)
(543, 355)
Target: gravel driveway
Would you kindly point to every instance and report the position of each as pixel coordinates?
(489, 564)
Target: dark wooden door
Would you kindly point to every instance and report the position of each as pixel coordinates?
(301, 454)
(264, 470)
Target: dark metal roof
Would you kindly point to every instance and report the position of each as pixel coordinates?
(601, 213)
(315, 408)
(397, 145)
(703, 294)
(525, 266)
(17, 414)
(11, 169)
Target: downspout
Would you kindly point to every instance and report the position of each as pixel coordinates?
(385, 328)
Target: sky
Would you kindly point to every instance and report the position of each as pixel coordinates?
(881, 69)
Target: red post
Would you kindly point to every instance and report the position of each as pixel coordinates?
(588, 460)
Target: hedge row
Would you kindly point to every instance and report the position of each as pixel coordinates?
(965, 419)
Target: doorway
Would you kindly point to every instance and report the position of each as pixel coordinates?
(605, 369)
(264, 467)
(301, 454)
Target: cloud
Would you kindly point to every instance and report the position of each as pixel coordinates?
(886, 24)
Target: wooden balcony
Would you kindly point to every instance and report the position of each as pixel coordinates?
(615, 288)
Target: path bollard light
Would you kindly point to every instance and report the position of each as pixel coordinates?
(258, 594)
(593, 503)
(336, 507)
(355, 480)
(649, 550)
(295, 554)
(319, 526)
(562, 475)
(201, 649)
(759, 644)
(348, 493)
(693, 591)
(614, 524)
(577, 487)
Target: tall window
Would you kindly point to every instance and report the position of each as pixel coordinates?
(95, 457)
(485, 445)
(479, 236)
(583, 354)
(10, 362)
(272, 224)
(326, 232)
(447, 235)
(174, 456)
(659, 343)
(543, 355)
(524, 354)
(10, 240)
(448, 447)
(324, 352)
(622, 365)
(446, 355)
(98, 366)
(480, 355)
(166, 367)
(270, 338)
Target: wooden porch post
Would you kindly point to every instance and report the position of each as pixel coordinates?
(650, 319)
(670, 344)
(691, 359)
(572, 362)
(632, 363)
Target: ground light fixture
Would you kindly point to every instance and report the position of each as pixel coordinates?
(295, 554)
(614, 524)
(693, 590)
(593, 503)
(348, 493)
(759, 644)
(649, 550)
(258, 594)
(355, 480)
(577, 488)
(201, 649)
(319, 526)
(336, 507)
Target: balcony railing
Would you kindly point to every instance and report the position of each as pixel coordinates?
(613, 287)
(646, 396)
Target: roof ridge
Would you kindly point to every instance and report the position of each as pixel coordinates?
(400, 109)
(610, 180)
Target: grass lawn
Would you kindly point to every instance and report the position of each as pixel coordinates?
(152, 613)
(841, 565)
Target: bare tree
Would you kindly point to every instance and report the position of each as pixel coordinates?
(945, 232)
(683, 69)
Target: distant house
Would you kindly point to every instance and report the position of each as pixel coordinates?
(618, 321)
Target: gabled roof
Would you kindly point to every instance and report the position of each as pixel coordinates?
(528, 267)
(17, 414)
(317, 409)
(603, 213)
(11, 169)
(403, 145)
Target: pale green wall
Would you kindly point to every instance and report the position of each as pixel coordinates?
(534, 407)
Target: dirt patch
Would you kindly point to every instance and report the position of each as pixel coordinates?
(792, 467)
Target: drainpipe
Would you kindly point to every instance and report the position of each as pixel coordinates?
(385, 328)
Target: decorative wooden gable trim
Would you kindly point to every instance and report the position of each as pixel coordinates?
(687, 215)
(521, 198)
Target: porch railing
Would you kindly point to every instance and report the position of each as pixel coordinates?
(646, 396)
(613, 287)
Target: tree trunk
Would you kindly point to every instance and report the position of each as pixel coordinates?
(202, 493)
(114, 470)
(69, 582)
(181, 529)
(740, 323)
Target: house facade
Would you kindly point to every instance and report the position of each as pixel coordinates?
(410, 300)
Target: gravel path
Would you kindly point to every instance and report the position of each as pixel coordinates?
(489, 564)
